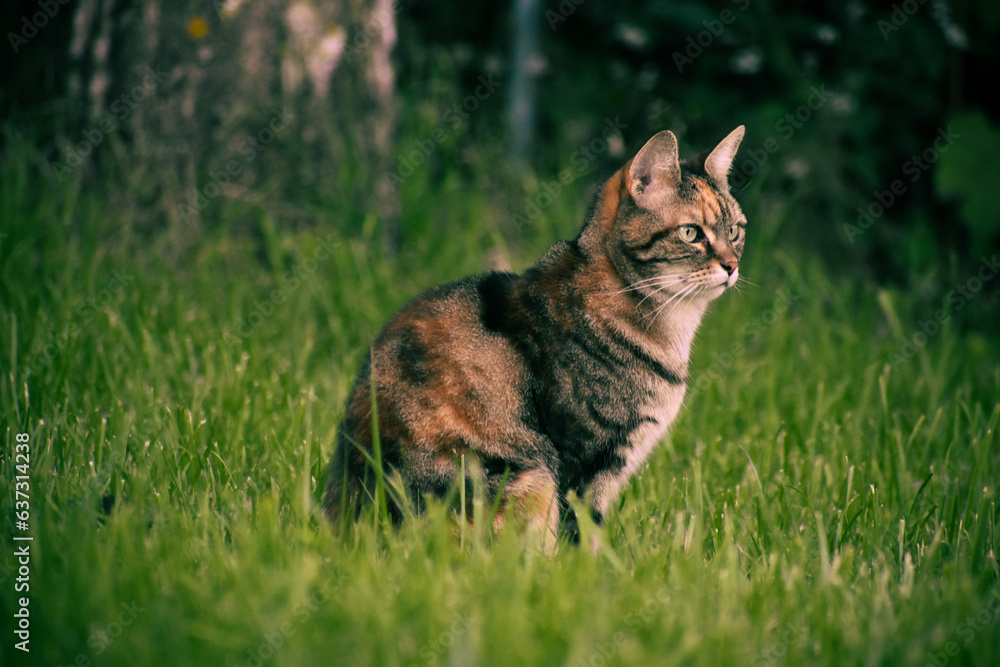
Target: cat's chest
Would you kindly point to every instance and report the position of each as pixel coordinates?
(657, 414)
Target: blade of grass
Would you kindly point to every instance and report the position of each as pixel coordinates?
(381, 509)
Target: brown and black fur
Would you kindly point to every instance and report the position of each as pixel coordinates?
(565, 377)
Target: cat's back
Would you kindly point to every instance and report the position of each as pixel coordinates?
(449, 321)
(449, 362)
(488, 323)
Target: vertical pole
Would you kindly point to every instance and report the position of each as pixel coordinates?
(523, 68)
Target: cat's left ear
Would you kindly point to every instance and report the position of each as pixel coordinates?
(720, 160)
(654, 168)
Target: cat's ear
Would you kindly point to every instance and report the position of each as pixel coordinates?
(655, 167)
(720, 160)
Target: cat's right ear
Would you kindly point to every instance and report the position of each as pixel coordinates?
(655, 168)
(720, 160)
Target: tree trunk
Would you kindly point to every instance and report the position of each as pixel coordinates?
(239, 99)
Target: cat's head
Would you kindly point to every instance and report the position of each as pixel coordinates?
(676, 231)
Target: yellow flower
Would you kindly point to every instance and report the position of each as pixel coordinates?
(197, 28)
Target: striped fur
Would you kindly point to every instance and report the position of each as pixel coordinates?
(563, 378)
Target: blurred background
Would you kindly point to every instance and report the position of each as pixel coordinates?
(872, 127)
(209, 209)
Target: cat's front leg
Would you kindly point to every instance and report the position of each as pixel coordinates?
(606, 488)
(531, 499)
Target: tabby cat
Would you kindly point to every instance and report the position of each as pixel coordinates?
(563, 378)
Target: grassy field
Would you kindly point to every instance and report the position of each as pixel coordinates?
(827, 497)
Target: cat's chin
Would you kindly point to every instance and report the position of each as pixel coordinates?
(700, 298)
(712, 293)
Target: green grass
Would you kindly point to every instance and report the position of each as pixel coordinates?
(812, 505)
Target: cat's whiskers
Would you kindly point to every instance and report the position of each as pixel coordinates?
(660, 287)
(676, 299)
(697, 287)
(740, 281)
(655, 281)
(656, 287)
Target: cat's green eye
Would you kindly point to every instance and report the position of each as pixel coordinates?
(734, 232)
(688, 232)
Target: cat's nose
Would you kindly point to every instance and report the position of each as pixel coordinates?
(730, 265)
